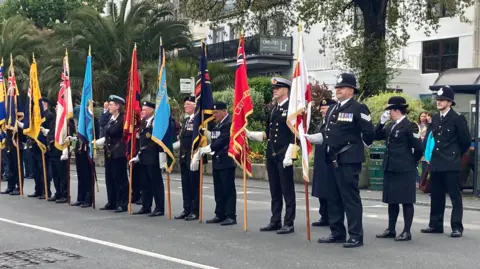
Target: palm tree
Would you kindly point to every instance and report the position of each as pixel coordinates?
(19, 37)
(112, 39)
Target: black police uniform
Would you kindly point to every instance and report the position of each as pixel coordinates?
(116, 165)
(400, 170)
(58, 168)
(348, 123)
(152, 181)
(452, 140)
(13, 186)
(85, 171)
(38, 162)
(280, 179)
(320, 187)
(223, 167)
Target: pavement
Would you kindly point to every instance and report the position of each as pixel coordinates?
(39, 234)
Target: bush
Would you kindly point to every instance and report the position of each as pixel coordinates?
(377, 104)
(263, 85)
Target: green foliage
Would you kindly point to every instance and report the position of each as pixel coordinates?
(262, 85)
(377, 105)
(46, 13)
(429, 105)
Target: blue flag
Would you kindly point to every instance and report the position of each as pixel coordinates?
(14, 107)
(161, 121)
(3, 112)
(203, 103)
(85, 119)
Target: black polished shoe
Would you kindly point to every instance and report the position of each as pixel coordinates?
(7, 191)
(228, 221)
(120, 209)
(77, 203)
(321, 223)
(214, 220)
(404, 236)
(191, 217)
(86, 205)
(286, 229)
(61, 201)
(143, 211)
(430, 230)
(271, 227)
(41, 197)
(387, 234)
(353, 243)
(139, 202)
(331, 239)
(156, 213)
(456, 234)
(15, 192)
(52, 199)
(182, 215)
(107, 207)
(33, 195)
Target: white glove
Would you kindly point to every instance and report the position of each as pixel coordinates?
(205, 150)
(134, 160)
(314, 138)
(162, 157)
(195, 162)
(176, 145)
(99, 142)
(255, 136)
(64, 156)
(287, 161)
(44, 131)
(71, 138)
(20, 124)
(385, 117)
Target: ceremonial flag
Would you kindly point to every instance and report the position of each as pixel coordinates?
(161, 120)
(64, 107)
(133, 109)
(299, 108)
(14, 106)
(34, 110)
(3, 112)
(242, 108)
(203, 103)
(85, 118)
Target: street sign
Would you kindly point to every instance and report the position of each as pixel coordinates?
(187, 85)
(276, 45)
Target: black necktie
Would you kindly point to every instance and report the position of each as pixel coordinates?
(441, 117)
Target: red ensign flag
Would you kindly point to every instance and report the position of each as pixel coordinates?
(132, 109)
(242, 108)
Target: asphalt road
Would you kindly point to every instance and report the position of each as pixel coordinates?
(40, 234)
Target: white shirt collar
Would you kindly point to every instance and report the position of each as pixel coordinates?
(344, 102)
(191, 116)
(149, 120)
(445, 113)
(113, 117)
(283, 102)
(399, 120)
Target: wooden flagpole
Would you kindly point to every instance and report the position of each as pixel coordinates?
(20, 178)
(132, 126)
(244, 166)
(169, 201)
(200, 186)
(68, 143)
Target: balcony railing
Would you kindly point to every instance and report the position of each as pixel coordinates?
(254, 45)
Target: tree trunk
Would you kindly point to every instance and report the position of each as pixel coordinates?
(373, 70)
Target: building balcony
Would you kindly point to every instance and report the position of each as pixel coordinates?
(262, 52)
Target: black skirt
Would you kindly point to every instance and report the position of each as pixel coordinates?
(399, 187)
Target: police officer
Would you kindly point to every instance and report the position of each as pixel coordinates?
(190, 179)
(348, 123)
(151, 158)
(280, 147)
(115, 159)
(452, 140)
(404, 150)
(223, 167)
(37, 154)
(319, 180)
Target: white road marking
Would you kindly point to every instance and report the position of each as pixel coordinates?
(374, 206)
(110, 244)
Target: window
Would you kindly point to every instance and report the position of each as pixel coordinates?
(439, 55)
(218, 35)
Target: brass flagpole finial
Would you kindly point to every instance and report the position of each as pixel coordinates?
(161, 41)
(299, 27)
(33, 56)
(2, 61)
(66, 52)
(11, 58)
(89, 50)
(135, 46)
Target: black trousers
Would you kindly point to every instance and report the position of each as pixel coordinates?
(225, 193)
(59, 170)
(190, 185)
(137, 182)
(153, 187)
(323, 210)
(28, 161)
(38, 174)
(442, 182)
(84, 177)
(13, 169)
(117, 182)
(281, 187)
(345, 200)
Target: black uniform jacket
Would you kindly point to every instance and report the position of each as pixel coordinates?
(279, 135)
(348, 126)
(452, 140)
(220, 135)
(115, 147)
(403, 150)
